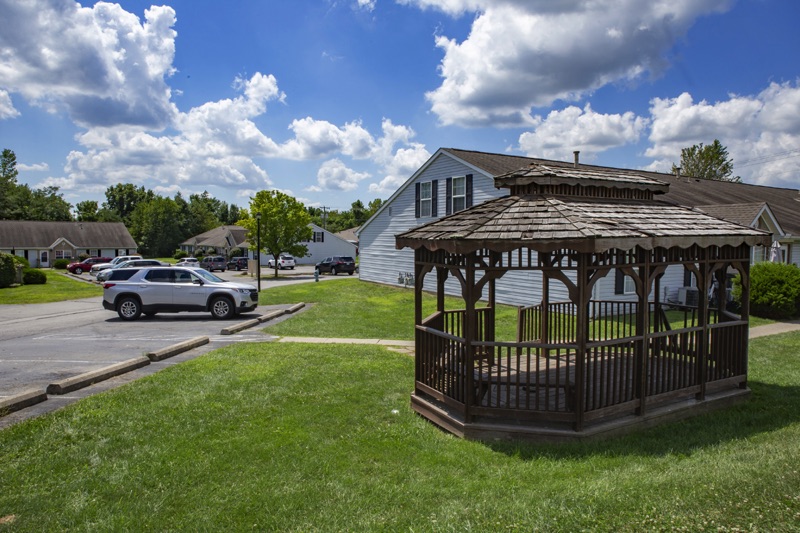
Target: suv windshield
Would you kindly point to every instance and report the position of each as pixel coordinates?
(205, 274)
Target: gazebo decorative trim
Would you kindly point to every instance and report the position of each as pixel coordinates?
(581, 367)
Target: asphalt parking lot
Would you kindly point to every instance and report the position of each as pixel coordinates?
(43, 343)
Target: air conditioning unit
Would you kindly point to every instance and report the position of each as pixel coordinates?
(688, 296)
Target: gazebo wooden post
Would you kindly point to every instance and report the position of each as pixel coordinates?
(468, 331)
(745, 314)
(544, 310)
(642, 349)
(581, 297)
(702, 321)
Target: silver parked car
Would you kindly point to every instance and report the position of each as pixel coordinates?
(152, 290)
(104, 274)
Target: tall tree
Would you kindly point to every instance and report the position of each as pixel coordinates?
(123, 198)
(86, 211)
(155, 226)
(8, 183)
(707, 161)
(284, 224)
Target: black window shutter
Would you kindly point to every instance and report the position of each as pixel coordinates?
(435, 198)
(619, 283)
(448, 202)
(416, 201)
(321, 236)
(687, 277)
(469, 191)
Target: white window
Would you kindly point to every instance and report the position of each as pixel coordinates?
(459, 194)
(63, 254)
(318, 236)
(425, 199)
(629, 286)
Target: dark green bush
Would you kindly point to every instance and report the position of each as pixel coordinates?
(7, 270)
(61, 264)
(179, 254)
(32, 276)
(774, 290)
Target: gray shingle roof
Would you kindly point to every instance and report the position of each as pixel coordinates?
(784, 203)
(589, 225)
(27, 234)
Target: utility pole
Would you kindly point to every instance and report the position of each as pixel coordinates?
(325, 217)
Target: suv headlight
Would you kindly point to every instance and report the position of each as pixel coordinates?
(244, 291)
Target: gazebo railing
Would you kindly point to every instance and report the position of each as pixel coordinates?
(537, 380)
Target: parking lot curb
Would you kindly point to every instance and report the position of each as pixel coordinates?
(296, 307)
(175, 349)
(22, 400)
(230, 330)
(89, 378)
(272, 314)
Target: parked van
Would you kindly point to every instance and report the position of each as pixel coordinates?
(214, 262)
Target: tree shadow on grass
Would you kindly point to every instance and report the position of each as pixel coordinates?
(769, 408)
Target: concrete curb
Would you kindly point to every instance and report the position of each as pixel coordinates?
(89, 378)
(230, 330)
(272, 314)
(175, 349)
(296, 307)
(22, 400)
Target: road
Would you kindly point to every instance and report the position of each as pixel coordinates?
(43, 343)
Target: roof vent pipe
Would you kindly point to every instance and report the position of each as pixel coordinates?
(577, 154)
(678, 173)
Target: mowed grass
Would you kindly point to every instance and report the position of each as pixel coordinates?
(297, 437)
(59, 287)
(351, 308)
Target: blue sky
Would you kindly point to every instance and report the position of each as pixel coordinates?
(338, 100)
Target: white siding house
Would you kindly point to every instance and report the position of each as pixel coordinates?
(324, 244)
(429, 194)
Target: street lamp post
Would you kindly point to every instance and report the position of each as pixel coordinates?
(258, 251)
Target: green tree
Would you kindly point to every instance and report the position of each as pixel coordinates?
(155, 226)
(123, 198)
(284, 224)
(8, 183)
(86, 211)
(709, 162)
(47, 204)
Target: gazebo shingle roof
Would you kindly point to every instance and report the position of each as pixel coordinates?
(549, 221)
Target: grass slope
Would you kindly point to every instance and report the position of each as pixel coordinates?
(308, 438)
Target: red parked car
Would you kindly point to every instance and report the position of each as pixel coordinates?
(86, 264)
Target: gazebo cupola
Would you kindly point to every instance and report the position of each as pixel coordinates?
(578, 365)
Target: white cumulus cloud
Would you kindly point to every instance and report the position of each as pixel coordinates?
(572, 128)
(525, 54)
(102, 64)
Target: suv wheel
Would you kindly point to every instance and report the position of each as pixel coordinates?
(333, 271)
(129, 308)
(221, 308)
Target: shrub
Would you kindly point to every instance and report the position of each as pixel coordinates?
(179, 254)
(32, 276)
(61, 264)
(83, 257)
(21, 261)
(7, 270)
(774, 290)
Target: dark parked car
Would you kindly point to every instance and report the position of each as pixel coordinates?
(237, 263)
(86, 264)
(214, 262)
(337, 264)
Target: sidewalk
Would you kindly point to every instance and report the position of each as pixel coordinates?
(774, 329)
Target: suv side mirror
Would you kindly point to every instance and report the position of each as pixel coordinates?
(198, 281)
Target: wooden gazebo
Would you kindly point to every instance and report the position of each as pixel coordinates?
(578, 367)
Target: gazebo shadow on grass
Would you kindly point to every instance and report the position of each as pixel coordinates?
(770, 408)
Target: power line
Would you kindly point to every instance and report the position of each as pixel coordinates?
(761, 160)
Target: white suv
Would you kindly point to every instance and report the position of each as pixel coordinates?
(154, 290)
(284, 261)
(97, 267)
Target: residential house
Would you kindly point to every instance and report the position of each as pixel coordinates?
(232, 240)
(41, 242)
(453, 180)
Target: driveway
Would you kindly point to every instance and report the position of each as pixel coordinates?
(43, 343)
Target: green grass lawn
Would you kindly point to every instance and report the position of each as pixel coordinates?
(59, 287)
(295, 437)
(355, 309)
